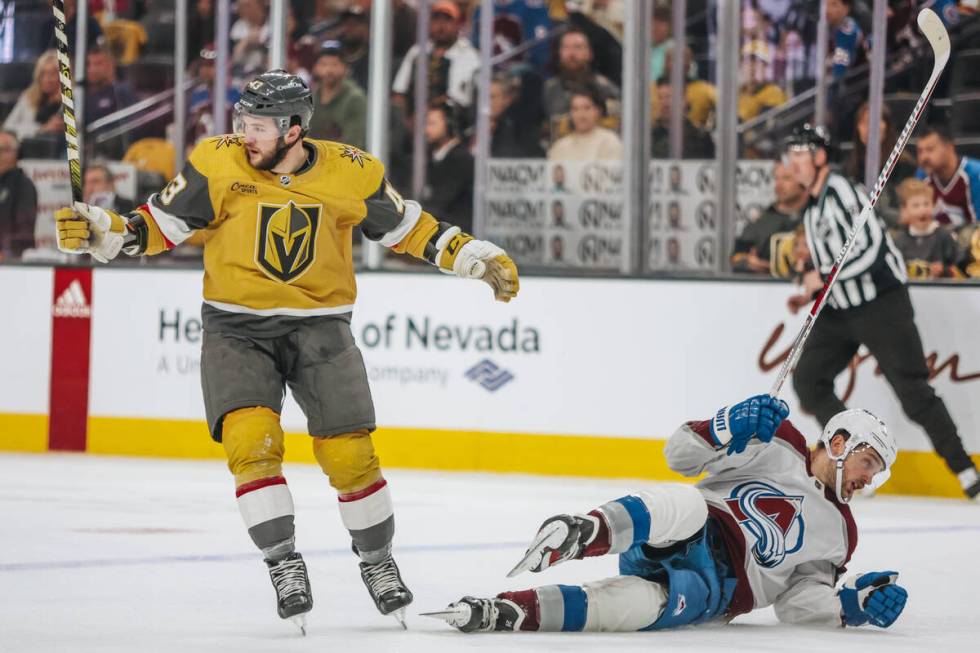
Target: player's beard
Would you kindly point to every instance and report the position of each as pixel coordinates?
(272, 159)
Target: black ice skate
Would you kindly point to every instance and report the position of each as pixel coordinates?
(472, 615)
(387, 589)
(292, 585)
(560, 538)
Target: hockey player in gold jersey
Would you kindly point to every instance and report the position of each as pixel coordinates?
(278, 211)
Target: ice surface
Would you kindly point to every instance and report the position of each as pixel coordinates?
(127, 554)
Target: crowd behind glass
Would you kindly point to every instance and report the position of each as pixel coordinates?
(555, 120)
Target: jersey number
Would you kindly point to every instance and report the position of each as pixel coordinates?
(176, 185)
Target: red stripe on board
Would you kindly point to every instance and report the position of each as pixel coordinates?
(252, 486)
(71, 319)
(360, 494)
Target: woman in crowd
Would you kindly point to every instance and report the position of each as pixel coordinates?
(887, 206)
(38, 109)
(588, 141)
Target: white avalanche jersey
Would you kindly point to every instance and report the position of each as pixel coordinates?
(787, 535)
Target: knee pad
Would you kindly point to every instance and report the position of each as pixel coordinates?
(676, 512)
(348, 460)
(623, 604)
(253, 442)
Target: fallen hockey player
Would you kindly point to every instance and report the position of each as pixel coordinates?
(768, 525)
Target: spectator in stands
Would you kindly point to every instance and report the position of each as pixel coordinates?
(516, 22)
(929, 250)
(405, 21)
(757, 92)
(355, 30)
(200, 108)
(955, 180)
(448, 192)
(588, 140)
(971, 258)
(325, 23)
(660, 42)
(18, 201)
(847, 39)
(200, 28)
(607, 47)
(753, 252)
(511, 137)
(38, 109)
(453, 62)
(99, 189)
(854, 169)
(697, 143)
(700, 96)
(608, 14)
(341, 106)
(105, 95)
(93, 29)
(250, 37)
(574, 68)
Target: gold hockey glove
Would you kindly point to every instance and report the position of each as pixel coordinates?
(86, 229)
(481, 259)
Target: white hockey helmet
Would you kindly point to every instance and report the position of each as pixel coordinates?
(863, 429)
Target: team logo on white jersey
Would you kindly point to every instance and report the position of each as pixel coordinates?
(774, 518)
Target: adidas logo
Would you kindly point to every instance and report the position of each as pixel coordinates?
(71, 302)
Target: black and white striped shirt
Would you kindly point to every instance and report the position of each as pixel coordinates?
(874, 265)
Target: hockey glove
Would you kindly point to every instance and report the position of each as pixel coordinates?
(481, 259)
(757, 417)
(873, 597)
(84, 228)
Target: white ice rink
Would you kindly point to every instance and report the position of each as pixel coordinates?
(127, 554)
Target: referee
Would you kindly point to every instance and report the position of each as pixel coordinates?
(869, 304)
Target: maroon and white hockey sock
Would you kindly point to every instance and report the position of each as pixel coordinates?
(267, 508)
(527, 600)
(369, 516)
(602, 540)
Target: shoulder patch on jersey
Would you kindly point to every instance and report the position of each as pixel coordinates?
(228, 140)
(355, 155)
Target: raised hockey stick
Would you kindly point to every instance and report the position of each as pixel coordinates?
(932, 28)
(68, 101)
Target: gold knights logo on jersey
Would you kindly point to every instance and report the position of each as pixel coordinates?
(286, 243)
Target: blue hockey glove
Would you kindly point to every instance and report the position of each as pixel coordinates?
(872, 597)
(757, 416)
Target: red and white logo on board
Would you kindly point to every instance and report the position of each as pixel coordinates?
(72, 302)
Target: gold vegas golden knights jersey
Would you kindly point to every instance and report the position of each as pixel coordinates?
(280, 244)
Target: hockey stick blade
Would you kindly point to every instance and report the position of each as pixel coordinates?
(934, 31)
(525, 562)
(931, 26)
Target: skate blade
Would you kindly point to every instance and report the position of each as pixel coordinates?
(300, 622)
(443, 615)
(399, 616)
(525, 562)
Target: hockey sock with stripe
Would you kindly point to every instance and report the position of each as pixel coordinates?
(267, 508)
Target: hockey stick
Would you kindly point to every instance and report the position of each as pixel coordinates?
(932, 28)
(68, 101)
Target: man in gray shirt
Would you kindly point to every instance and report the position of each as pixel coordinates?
(341, 106)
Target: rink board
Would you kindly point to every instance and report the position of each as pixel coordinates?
(582, 377)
